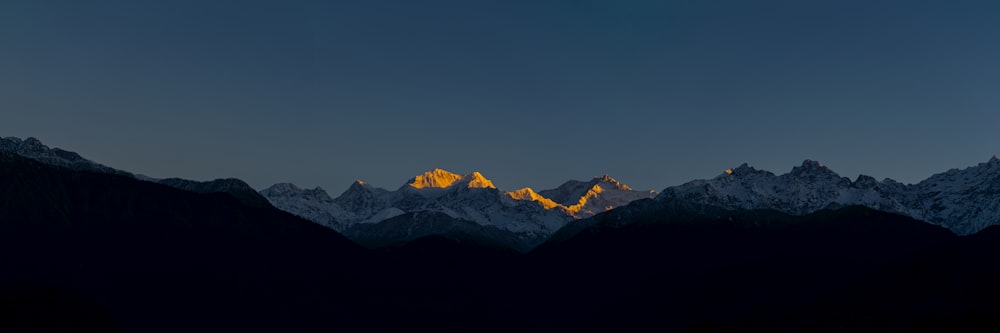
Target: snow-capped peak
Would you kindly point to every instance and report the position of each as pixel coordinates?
(359, 185)
(437, 178)
(475, 180)
(441, 179)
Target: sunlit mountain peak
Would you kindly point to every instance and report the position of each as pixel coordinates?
(437, 178)
(476, 180)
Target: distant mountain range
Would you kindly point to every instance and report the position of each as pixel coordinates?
(521, 219)
(443, 203)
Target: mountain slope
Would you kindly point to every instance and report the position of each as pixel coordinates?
(34, 149)
(698, 268)
(584, 199)
(157, 258)
(232, 186)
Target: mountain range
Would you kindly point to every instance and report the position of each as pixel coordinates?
(439, 202)
(963, 200)
(85, 247)
(521, 219)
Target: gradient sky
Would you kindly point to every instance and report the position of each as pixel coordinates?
(531, 93)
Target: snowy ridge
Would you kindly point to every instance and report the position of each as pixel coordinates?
(600, 194)
(314, 205)
(964, 201)
(232, 186)
(34, 149)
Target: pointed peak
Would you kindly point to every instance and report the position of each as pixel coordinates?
(994, 159)
(359, 185)
(437, 178)
(864, 177)
(606, 179)
(865, 181)
(523, 191)
(477, 180)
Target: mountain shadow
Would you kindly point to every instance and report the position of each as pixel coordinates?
(148, 257)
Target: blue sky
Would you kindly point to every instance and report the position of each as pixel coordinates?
(530, 93)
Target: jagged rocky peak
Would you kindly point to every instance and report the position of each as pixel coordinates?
(30, 146)
(810, 166)
(743, 169)
(814, 170)
(608, 180)
(865, 182)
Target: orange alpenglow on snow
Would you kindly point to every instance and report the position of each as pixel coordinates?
(436, 178)
(729, 171)
(478, 181)
(593, 192)
(440, 178)
(528, 194)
